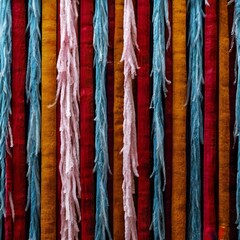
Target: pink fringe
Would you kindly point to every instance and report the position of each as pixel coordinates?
(68, 92)
(130, 158)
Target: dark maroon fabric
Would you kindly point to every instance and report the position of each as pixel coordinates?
(233, 147)
(110, 97)
(143, 119)
(168, 136)
(210, 122)
(16, 165)
(8, 223)
(18, 116)
(87, 148)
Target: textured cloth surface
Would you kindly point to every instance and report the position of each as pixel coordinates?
(118, 220)
(48, 131)
(224, 124)
(179, 120)
(87, 120)
(210, 122)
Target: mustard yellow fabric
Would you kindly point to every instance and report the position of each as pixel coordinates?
(48, 131)
(179, 120)
(118, 220)
(224, 122)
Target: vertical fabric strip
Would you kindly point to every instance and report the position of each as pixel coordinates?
(48, 130)
(210, 122)
(236, 33)
(118, 215)
(160, 16)
(87, 120)
(68, 92)
(179, 120)
(33, 80)
(5, 96)
(110, 100)
(168, 135)
(195, 80)
(100, 42)
(224, 124)
(130, 158)
(18, 117)
(143, 113)
(233, 146)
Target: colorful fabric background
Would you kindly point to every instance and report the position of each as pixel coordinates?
(119, 119)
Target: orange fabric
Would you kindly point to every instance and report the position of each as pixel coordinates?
(48, 131)
(224, 122)
(118, 220)
(179, 120)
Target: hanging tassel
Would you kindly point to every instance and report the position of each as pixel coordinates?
(33, 80)
(195, 81)
(129, 150)
(68, 92)
(100, 42)
(236, 35)
(159, 18)
(5, 96)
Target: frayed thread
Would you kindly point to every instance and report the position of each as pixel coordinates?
(68, 93)
(33, 80)
(195, 81)
(160, 20)
(5, 96)
(130, 158)
(100, 43)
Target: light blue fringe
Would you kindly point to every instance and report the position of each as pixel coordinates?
(159, 19)
(100, 42)
(5, 93)
(195, 81)
(33, 80)
(236, 34)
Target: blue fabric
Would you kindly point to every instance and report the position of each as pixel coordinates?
(5, 93)
(195, 81)
(33, 80)
(100, 42)
(236, 33)
(159, 19)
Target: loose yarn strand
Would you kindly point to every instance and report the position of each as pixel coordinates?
(68, 92)
(195, 80)
(160, 20)
(5, 96)
(100, 42)
(33, 80)
(129, 150)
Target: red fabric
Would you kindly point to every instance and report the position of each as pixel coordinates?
(17, 168)
(87, 146)
(143, 113)
(110, 97)
(168, 136)
(8, 224)
(233, 147)
(210, 123)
